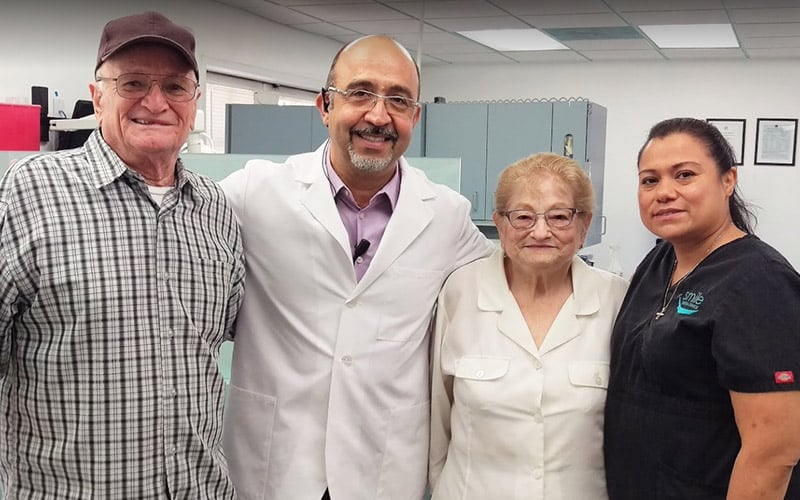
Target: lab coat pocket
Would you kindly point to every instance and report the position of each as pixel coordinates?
(247, 439)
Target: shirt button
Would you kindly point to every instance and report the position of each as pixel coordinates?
(537, 364)
(361, 215)
(171, 450)
(169, 333)
(165, 277)
(537, 417)
(537, 473)
(598, 379)
(352, 304)
(359, 259)
(347, 360)
(479, 373)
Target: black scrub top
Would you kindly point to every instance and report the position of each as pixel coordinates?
(732, 325)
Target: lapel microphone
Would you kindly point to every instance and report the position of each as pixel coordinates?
(360, 249)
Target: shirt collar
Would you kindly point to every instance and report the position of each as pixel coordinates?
(106, 166)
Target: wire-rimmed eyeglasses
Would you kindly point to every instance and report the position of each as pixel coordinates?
(556, 218)
(361, 98)
(138, 85)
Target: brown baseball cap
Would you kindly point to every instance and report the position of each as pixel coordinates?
(145, 27)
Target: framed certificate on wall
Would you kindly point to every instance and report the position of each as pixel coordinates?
(776, 141)
(733, 130)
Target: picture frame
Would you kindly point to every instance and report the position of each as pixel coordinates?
(733, 129)
(776, 141)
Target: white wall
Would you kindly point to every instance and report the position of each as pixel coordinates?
(639, 94)
(54, 44)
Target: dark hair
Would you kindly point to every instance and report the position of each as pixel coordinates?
(719, 149)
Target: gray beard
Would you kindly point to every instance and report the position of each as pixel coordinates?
(364, 164)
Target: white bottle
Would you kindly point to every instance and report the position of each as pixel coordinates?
(57, 106)
(614, 264)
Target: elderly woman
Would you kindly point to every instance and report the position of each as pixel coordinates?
(521, 349)
(704, 400)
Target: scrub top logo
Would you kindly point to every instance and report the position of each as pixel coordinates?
(689, 303)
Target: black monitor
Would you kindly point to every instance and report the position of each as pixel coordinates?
(76, 138)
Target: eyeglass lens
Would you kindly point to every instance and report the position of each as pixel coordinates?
(138, 85)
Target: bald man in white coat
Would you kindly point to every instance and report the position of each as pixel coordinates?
(347, 248)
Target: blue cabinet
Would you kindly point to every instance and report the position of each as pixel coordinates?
(459, 131)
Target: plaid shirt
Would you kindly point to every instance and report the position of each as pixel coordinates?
(112, 312)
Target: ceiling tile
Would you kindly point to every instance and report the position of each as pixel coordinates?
(768, 29)
(434, 38)
(547, 56)
(774, 42)
(551, 7)
(351, 12)
(493, 57)
(677, 17)
(650, 5)
(443, 9)
(749, 4)
(324, 29)
(582, 45)
(574, 20)
(388, 27)
(274, 13)
(676, 54)
(622, 55)
(478, 23)
(788, 52)
(786, 15)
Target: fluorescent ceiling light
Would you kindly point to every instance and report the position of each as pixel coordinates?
(513, 40)
(691, 36)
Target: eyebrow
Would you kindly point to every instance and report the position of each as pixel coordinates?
(672, 167)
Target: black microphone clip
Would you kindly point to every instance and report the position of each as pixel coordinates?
(360, 249)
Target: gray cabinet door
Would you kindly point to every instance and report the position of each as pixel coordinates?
(459, 131)
(269, 129)
(515, 130)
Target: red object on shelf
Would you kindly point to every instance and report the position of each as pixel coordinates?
(19, 127)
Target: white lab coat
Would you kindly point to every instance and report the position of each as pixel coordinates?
(330, 382)
(513, 421)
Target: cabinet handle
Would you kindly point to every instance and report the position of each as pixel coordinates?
(569, 143)
(602, 224)
(474, 202)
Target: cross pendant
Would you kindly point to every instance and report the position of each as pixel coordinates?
(659, 314)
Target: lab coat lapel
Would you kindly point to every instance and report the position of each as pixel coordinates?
(494, 295)
(318, 198)
(410, 217)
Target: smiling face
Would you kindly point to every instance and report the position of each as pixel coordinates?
(682, 196)
(151, 129)
(541, 247)
(370, 139)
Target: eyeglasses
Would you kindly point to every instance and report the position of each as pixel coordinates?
(138, 85)
(360, 98)
(556, 218)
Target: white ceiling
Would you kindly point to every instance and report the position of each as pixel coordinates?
(602, 30)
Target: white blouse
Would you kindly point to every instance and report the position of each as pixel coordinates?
(510, 420)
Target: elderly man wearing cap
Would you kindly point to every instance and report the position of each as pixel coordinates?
(121, 273)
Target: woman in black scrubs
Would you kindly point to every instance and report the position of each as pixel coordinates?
(704, 397)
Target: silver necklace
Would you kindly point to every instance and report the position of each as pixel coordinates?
(667, 301)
